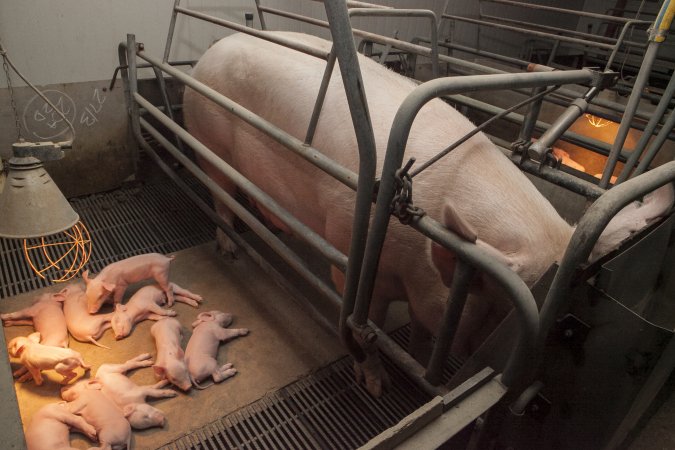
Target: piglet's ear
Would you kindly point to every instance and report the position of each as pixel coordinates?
(34, 337)
(94, 385)
(128, 410)
(120, 307)
(108, 286)
(61, 295)
(85, 276)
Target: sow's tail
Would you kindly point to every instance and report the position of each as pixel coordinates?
(634, 218)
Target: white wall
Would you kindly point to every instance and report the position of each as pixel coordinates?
(76, 40)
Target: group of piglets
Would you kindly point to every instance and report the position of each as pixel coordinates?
(107, 406)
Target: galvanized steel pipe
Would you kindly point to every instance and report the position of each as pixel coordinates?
(587, 232)
(312, 155)
(299, 229)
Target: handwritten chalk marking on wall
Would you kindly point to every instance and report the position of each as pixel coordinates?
(44, 123)
(90, 114)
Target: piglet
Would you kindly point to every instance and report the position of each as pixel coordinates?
(209, 330)
(170, 362)
(129, 396)
(49, 428)
(36, 357)
(83, 326)
(114, 278)
(87, 398)
(46, 316)
(145, 304)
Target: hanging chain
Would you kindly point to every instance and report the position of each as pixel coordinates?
(12, 102)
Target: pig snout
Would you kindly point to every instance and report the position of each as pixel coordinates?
(144, 416)
(121, 326)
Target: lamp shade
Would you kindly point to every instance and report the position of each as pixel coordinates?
(31, 205)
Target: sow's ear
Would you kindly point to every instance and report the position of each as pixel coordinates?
(444, 260)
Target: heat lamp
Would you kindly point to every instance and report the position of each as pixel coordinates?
(32, 208)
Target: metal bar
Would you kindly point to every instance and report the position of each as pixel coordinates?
(606, 39)
(405, 362)
(517, 291)
(169, 37)
(299, 229)
(649, 130)
(345, 50)
(530, 119)
(268, 237)
(656, 144)
(475, 131)
(263, 25)
(325, 81)
(586, 235)
(531, 32)
(355, 4)
(401, 45)
(451, 315)
(496, 56)
(168, 108)
(589, 143)
(519, 363)
(557, 176)
(304, 48)
(631, 106)
(312, 155)
(408, 13)
(538, 149)
(561, 10)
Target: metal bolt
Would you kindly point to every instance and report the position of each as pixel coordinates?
(568, 333)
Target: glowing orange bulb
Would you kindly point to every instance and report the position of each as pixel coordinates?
(60, 256)
(596, 121)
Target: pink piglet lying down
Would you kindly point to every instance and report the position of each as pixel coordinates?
(209, 330)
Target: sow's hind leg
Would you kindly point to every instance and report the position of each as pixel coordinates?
(225, 245)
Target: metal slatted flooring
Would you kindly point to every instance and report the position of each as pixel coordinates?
(157, 217)
(325, 410)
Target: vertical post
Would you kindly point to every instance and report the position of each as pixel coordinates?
(451, 315)
(263, 25)
(345, 50)
(131, 87)
(172, 27)
(314, 120)
(649, 130)
(657, 35)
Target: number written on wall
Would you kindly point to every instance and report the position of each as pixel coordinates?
(40, 119)
(90, 114)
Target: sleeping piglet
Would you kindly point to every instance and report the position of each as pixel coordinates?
(145, 304)
(114, 278)
(83, 326)
(209, 330)
(129, 396)
(46, 316)
(36, 357)
(49, 428)
(170, 361)
(87, 398)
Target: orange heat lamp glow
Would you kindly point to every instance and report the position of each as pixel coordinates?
(60, 256)
(596, 121)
